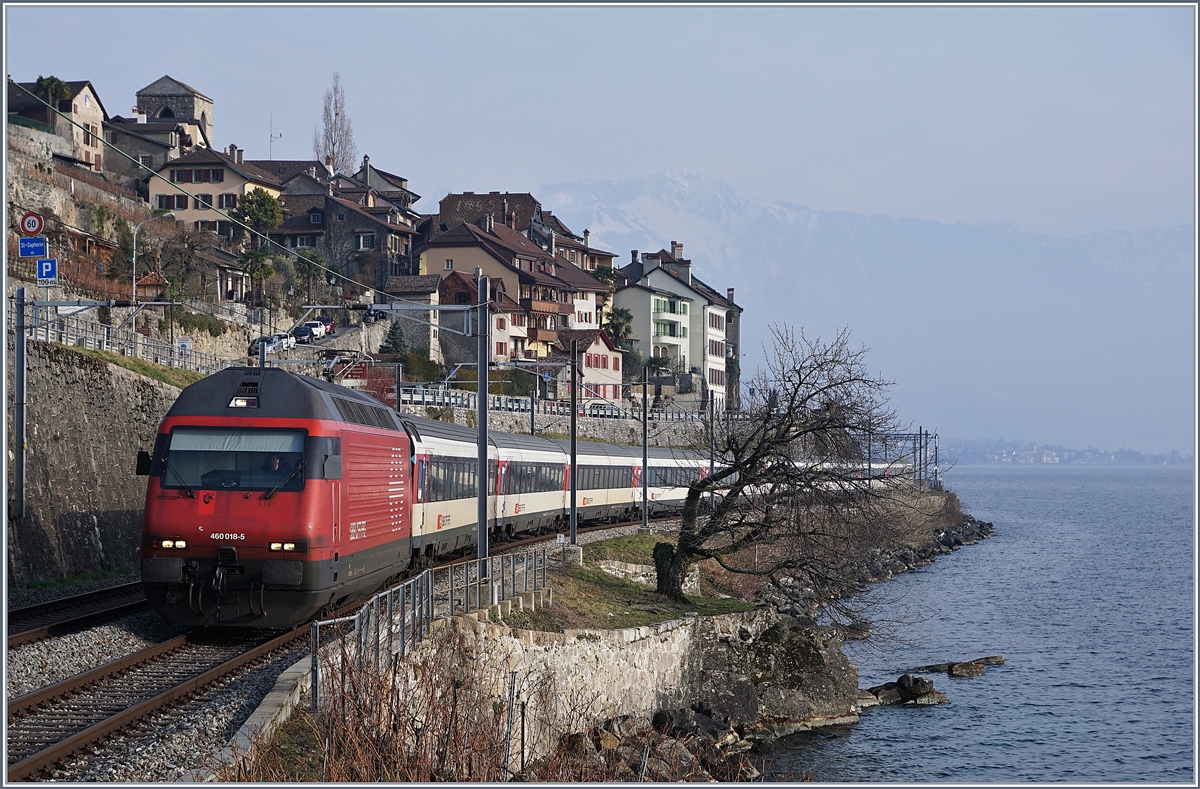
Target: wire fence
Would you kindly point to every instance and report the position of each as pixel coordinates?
(389, 625)
(49, 325)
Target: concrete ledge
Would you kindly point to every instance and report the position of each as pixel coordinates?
(274, 709)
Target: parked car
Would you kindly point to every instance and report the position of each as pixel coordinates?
(272, 343)
(604, 411)
(303, 334)
(286, 341)
(374, 315)
(318, 328)
(330, 324)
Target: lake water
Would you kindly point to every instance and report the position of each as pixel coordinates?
(1086, 589)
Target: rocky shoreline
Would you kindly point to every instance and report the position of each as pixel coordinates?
(819, 686)
(882, 565)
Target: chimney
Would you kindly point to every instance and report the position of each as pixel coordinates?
(553, 251)
(329, 164)
(312, 172)
(586, 234)
(233, 151)
(683, 268)
(506, 210)
(513, 220)
(677, 250)
(729, 294)
(633, 256)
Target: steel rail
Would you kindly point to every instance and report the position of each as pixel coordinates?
(97, 606)
(46, 758)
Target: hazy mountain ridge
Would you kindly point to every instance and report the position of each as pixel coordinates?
(984, 327)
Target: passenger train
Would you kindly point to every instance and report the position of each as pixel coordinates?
(273, 495)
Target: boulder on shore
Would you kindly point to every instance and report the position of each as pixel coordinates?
(908, 689)
(962, 670)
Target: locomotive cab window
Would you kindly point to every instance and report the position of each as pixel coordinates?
(210, 458)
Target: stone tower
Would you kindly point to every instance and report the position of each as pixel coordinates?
(170, 98)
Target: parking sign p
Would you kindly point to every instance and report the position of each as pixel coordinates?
(47, 268)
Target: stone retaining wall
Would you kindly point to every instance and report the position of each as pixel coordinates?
(85, 422)
(751, 672)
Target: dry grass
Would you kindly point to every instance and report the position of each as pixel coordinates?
(440, 719)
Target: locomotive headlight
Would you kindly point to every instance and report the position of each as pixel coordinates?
(276, 546)
(171, 545)
(288, 547)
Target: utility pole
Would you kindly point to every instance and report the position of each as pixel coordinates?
(484, 332)
(18, 503)
(645, 447)
(574, 426)
(712, 443)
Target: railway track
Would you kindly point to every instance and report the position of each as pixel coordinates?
(48, 725)
(69, 614)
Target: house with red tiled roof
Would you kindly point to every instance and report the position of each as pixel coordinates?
(600, 363)
(461, 289)
(541, 283)
(150, 287)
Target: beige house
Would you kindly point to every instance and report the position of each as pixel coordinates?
(80, 117)
(215, 181)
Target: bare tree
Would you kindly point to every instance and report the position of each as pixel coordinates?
(335, 139)
(789, 501)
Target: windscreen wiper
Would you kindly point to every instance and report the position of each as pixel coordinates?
(295, 471)
(182, 481)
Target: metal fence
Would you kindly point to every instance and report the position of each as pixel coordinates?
(456, 398)
(77, 331)
(392, 622)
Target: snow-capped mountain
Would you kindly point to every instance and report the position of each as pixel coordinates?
(985, 329)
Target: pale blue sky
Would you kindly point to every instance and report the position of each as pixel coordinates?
(1065, 121)
(1062, 120)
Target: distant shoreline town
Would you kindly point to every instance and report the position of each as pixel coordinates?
(984, 452)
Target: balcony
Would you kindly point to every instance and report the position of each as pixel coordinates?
(543, 335)
(537, 305)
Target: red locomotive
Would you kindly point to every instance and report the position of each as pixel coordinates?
(273, 495)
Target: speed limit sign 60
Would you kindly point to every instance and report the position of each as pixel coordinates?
(31, 224)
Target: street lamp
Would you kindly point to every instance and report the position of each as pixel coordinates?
(135, 232)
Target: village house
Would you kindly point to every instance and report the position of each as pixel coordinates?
(680, 318)
(215, 179)
(80, 118)
(600, 363)
(420, 328)
(549, 301)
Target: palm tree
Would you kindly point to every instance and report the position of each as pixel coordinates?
(51, 89)
(620, 324)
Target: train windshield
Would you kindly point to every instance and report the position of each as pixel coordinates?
(212, 458)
